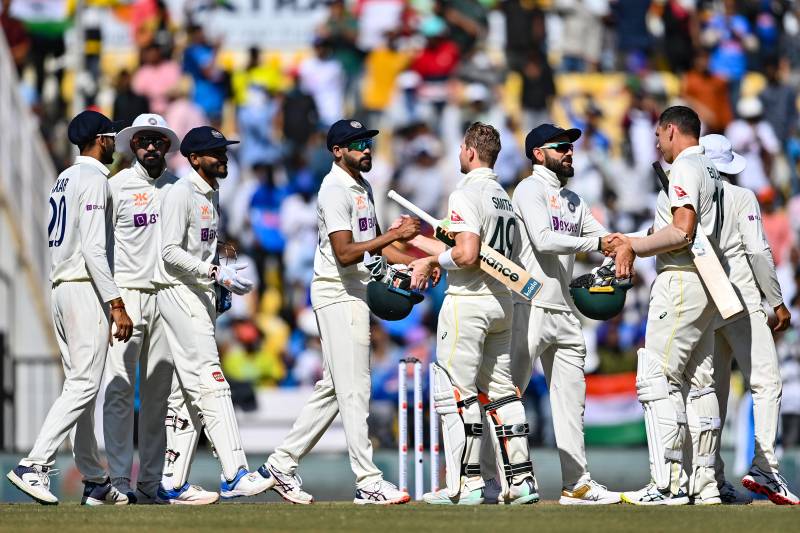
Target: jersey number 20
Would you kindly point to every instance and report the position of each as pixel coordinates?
(58, 222)
(503, 236)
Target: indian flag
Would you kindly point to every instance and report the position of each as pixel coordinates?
(613, 416)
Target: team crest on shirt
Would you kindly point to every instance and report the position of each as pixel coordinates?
(140, 199)
(455, 217)
(679, 192)
(361, 202)
(205, 212)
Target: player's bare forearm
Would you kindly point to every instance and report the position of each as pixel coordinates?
(349, 252)
(395, 255)
(428, 245)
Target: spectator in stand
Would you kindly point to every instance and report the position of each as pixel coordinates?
(341, 31)
(182, 115)
(780, 103)
(789, 354)
(199, 61)
(777, 226)
(377, 17)
(707, 93)
(421, 178)
(299, 117)
(525, 31)
(467, 21)
(538, 90)
(151, 24)
(298, 223)
(127, 104)
(637, 125)
(382, 66)
(322, 76)
(268, 76)
(754, 138)
(582, 40)
(633, 38)
(677, 17)
(434, 64)
(17, 36)
(729, 34)
(256, 121)
(156, 78)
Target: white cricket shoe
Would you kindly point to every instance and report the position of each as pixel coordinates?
(245, 484)
(288, 486)
(522, 493)
(35, 482)
(652, 495)
(123, 485)
(380, 493)
(186, 495)
(770, 484)
(589, 493)
(472, 493)
(730, 496)
(102, 494)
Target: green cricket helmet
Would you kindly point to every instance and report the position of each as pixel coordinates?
(600, 295)
(389, 295)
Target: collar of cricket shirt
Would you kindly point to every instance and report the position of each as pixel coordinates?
(344, 179)
(696, 149)
(547, 175)
(86, 160)
(140, 171)
(482, 173)
(200, 184)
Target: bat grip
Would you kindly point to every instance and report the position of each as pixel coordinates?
(414, 209)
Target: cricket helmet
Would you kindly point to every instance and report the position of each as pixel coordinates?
(600, 295)
(389, 294)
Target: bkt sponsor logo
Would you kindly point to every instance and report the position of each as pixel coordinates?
(208, 234)
(564, 226)
(365, 223)
(94, 207)
(143, 219)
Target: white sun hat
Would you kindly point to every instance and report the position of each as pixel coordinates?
(719, 150)
(147, 122)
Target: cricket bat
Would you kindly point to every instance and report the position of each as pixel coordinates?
(707, 264)
(492, 262)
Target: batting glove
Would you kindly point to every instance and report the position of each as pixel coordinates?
(228, 277)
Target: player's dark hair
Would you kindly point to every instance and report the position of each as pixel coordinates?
(682, 117)
(88, 144)
(485, 140)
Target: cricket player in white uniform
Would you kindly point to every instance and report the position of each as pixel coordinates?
(556, 224)
(185, 277)
(83, 291)
(679, 344)
(137, 193)
(348, 227)
(747, 338)
(473, 368)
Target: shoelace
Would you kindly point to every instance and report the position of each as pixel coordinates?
(44, 475)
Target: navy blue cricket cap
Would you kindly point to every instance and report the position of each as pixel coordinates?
(346, 131)
(543, 133)
(203, 139)
(88, 124)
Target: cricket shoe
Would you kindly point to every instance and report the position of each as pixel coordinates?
(524, 492)
(380, 493)
(123, 485)
(245, 484)
(652, 495)
(770, 484)
(35, 482)
(102, 494)
(288, 486)
(472, 493)
(186, 495)
(730, 496)
(589, 493)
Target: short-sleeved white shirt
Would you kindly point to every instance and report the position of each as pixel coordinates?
(343, 204)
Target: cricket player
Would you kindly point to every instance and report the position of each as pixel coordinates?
(747, 337)
(473, 368)
(136, 193)
(556, 224)
(186, 301)
(83, 295)
(679, 344)
(348, 227)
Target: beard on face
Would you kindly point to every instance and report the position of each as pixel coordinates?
(559, 167)
(358, 164)
(151, 160)
(214, 168)
(107, 151)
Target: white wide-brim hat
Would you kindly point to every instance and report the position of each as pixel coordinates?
(719, 150)
(146, 122)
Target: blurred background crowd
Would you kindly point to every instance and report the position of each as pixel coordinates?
(420, 70)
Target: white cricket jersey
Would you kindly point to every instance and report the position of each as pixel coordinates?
(556, 224)
(343, 204)
(481, 206)
(79, 228)
(693, 181)
(188, 245)
(136, 214)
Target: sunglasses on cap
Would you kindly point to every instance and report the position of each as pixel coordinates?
(144, 142)
(561, 147)
(360, 145)
(112, 135)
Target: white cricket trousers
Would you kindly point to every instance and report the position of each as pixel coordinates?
(555, 336)
(81, 324)
(189, 315)
(148, 350)
(749, 341)
(344, 388)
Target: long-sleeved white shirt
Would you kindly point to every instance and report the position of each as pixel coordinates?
(79, 228)
(188, 245)
(137, 224)
(556, 224)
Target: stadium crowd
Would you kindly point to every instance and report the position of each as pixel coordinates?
(420, 71)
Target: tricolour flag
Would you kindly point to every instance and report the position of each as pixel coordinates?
(613, 416)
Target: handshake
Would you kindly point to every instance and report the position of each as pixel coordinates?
(619, 247)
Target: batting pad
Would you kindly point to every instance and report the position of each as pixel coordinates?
(705, 430)
(454, 434)
(182, 437)
(220, 421)
(506, 420)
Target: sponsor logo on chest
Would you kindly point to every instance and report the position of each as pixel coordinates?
(564, 226)
(365, 223)
(208, 234)
(205, 212)
(140, 199)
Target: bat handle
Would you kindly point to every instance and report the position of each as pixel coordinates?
(413, 208)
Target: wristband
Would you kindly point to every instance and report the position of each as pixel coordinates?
(446, 260)
(599, 244)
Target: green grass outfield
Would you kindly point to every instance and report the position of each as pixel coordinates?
(412, 518)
